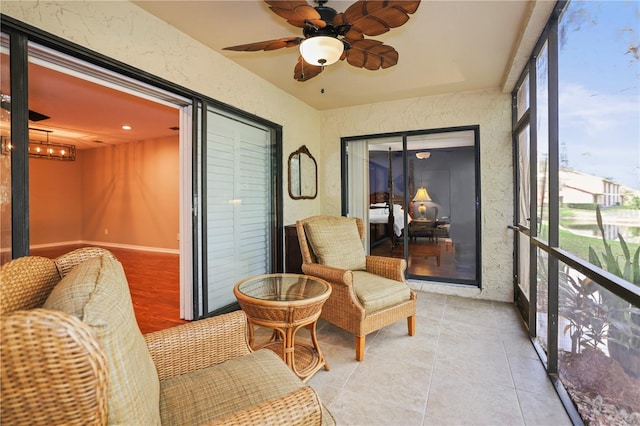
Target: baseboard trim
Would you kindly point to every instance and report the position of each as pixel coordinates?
(106, 245)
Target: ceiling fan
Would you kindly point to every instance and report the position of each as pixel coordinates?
(330, 36)
(5, 103)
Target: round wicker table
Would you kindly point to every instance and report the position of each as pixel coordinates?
(286, 303)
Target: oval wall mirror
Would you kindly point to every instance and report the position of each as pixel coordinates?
(303, 175)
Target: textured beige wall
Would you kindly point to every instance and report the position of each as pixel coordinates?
(132, 191)
(490, 110)
(55, 201)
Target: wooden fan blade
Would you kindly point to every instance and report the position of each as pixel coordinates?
(267, 45)
(371, 54)
(305, 71)
(375, 17)
(297, 13)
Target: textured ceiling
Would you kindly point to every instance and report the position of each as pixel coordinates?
(445, 47)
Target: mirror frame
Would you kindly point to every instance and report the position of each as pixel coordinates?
(303, 150)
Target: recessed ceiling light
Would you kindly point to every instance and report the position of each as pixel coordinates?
(126, 127)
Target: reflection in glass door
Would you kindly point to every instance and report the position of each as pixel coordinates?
(238, 187)
(5, 155)
(422, 200)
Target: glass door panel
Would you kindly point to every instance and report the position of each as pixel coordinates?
(239, 212)
(442, 228)
(542, 298)
(542, 144)
(5, 154)
(599, 130)
(422, 201)
(386, 215)
(524, 185)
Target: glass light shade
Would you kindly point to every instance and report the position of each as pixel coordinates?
(422, 195)
(321, 50)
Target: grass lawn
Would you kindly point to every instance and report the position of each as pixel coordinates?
(579, 245)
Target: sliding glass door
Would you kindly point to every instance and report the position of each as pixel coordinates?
(418, 196)
(238, 229)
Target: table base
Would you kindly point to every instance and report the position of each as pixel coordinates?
(305, 361)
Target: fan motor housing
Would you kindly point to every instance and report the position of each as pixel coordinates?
(326, 13)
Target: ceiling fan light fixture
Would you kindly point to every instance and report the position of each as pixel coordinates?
(321, 50)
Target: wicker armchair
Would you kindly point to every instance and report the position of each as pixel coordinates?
(57, 368)
(361, 301)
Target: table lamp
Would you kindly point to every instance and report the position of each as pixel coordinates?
(421, 197)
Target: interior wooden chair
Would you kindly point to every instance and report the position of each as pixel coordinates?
(368, 292)
(432, 215)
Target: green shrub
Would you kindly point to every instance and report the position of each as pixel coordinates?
(581, 206)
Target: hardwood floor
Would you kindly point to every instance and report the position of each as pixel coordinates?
(154, 278)
(423, 258)
(154, 282)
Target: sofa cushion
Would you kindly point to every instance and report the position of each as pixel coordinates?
(376, 292)
(203, 395)
(97, 292)
(336, 242)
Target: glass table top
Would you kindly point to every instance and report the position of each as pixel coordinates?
(283, 287)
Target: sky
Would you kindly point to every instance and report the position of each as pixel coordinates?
(599, 81)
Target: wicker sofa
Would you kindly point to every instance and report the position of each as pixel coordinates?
(72, 353)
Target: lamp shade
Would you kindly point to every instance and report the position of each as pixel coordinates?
(321, 50)
(422, 195)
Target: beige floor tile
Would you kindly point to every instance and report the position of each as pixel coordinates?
(342, 363)
(471, 331)
(331, 334)
(519, 345)
(468, 303)
(478, 317)
(352, 409)
(529, 374)
(409, 349)
(433, 312)
(479, 346)
(396, 382)
(542, 410)
(456, 401)
(431, 298)
(469, 363)
(492, 370)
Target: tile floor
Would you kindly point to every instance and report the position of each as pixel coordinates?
(469, 363)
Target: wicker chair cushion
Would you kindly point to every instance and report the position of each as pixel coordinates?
(203, 395)
(97, 292)
(376, 292)
(336, 242)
